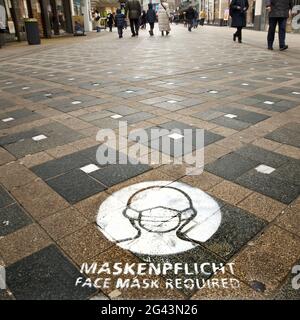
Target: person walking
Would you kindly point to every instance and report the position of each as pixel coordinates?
(134, 10)
(110, 21)
(97, 20)
(279, 11)
(2, 25)
(143, 20)
(120, 22)
(151, 18)
(202, 17)
(238, 9)
(164, 18)
(190, 16)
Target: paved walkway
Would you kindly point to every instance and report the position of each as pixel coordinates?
(54, 100)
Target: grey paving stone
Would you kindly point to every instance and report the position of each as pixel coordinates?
(5, 198)
(117, 173)
(75, 186)
(12, 218)
(269, 185)
(289, 172)
(208, 115)
(285, 135)
(46, 275)
(231, 166)
(263, 156)
(137, 117)
(231, 123)
(236, 229)
(122, 110)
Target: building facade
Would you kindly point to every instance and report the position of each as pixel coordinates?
(55, 17)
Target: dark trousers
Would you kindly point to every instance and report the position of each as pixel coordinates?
(202, 21)
(2, 38)
(134, 26)
(151, 26)
(272, 28)
(120, 32)
(190, 24)
(238, 33)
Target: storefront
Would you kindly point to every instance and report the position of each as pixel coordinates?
(55, 17)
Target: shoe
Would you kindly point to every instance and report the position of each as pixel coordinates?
(137, 34)
(234, 37)
(283, 48)
(133, 35)
(270, 48)
(162, 33)
(240, 41)
(167, 32)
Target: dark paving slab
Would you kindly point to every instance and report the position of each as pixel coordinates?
(46, 94)
(116, 173)
(231, 166)
(21, 143)
(263, 156)
(268, 185)
(5, 198)
(288, 134)
(75, 186)
(46, 275)
(236, 229)
(12, 218)
(18, 117)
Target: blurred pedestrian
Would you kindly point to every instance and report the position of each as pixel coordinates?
(190, 16)
(279, 11)
(164, 18)
(151, 18)
(238, 9)
(120, 22)
(134, 10)
(2, 25)
(110, 21)
(97, 20)
(202, 17)
(143, 20)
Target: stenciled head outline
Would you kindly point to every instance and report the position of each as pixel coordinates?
(191, 210)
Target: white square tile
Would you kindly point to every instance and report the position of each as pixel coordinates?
(231, 116)
(172, 101)
(71, 79)
(48, 94)
(8, 82)
(129, 91)
(96, 84)
(39, 137)
(296, 92)
(89, 168)
(268, 102)
(264, 169)
(245, 84)
(76, 102)
(213, 91)
(175, 136)
(8, 119)
(270, 78)
(25, 88)
(116, 116)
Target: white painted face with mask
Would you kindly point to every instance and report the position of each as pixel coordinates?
(159, 217)
(159, 209)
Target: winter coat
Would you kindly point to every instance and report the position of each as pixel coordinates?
(163, 17)
(134, 8)
(190, 14)
(120, 20)
(238, 16)
(110, 20)
(151, 15)
(279, 8)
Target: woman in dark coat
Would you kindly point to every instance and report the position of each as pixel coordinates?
(238, 9)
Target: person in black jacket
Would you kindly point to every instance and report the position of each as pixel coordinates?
(238, 9)
(110, 21)
(279, 11)
(151, 18)
(190, 15)
(120, 22)
(133, 9)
